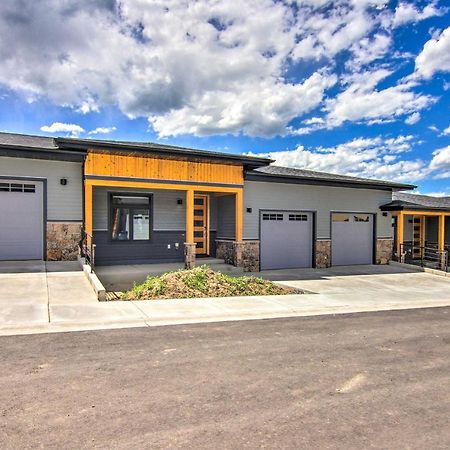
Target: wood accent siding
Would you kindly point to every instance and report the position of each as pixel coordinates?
(137, 166)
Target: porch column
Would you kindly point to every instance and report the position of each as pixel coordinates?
(88, 208)
(441, 232)
(239, 221)
(189, 245)
(400, 232)
(190, 216)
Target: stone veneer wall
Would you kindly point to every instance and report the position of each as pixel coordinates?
(243, 254)
(189, 255)
(323, 254)
(62, 240)
(384, 251)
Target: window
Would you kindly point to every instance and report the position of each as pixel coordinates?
(130, 218)
(361, 218)
(272, 216)
(341, 218)
(17, 187)
(298, 217)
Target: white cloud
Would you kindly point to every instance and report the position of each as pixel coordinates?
(206, 67)
(446, 132)
(434, 128)
(377, 157)
(368, 50)
(103, 130)
(264, 113)
(441, 159)
(413, 118)
(361, 101)
(58, 127)
(435, 56)
(408, 12)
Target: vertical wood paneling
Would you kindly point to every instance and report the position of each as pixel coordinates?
(105, 164)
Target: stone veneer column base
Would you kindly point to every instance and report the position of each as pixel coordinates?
(62, 240)
(323, 254)
(189, 255)
(384, 250)
(243, 254)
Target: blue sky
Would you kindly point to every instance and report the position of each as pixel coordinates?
(360, 87)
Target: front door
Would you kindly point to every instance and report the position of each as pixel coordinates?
(201, 224)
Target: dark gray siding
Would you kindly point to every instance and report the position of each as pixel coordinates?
(323, 199)
(64, 203)
(154, 250)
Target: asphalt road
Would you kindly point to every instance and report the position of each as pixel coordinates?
(376, 380)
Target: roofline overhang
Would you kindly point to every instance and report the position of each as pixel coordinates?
(389, 207)
(249, 162)
(274, 178)
(41, 153)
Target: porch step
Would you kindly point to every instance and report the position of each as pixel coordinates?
(219, 265)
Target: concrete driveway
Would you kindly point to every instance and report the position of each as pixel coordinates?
(51, 297)
(28, 288)
(371, 282)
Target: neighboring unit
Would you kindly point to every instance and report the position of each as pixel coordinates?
(145, 203)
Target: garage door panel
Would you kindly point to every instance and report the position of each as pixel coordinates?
(21, 220)
(286, 240)
(352, 239)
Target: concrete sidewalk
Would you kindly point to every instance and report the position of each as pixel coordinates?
(64, 301)
(106, 315)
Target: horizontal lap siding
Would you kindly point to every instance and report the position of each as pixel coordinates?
(154, 250)
(64, 203)
(114, 165)
(167, 214)
(323, 199)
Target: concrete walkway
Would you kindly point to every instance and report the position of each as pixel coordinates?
(65, 304)
(28, 288)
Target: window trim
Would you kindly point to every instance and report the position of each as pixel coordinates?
(131, 207)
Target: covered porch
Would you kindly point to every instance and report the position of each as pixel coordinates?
(421, 229)
(422, 237)
(151, 208)
(144, 223)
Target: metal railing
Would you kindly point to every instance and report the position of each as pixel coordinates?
(427, 256)
(87, 249)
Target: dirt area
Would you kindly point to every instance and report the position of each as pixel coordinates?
(203, 282)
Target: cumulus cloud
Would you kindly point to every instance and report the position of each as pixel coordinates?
(362, 101)
(59, 127)
(446, 132)
(413, 118)
(103, 130)
(408, 12)
(435, 56)
(441, 160)
(208, 67)
(377, 157)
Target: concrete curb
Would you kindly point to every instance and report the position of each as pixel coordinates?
(439, 273)
(94, 281)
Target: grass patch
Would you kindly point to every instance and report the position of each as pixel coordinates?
(203, 282)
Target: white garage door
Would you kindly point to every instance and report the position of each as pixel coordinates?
(21, 220)
(286, 239)
(352, 239)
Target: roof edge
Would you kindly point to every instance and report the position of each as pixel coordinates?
(373, 184)
(86, 144)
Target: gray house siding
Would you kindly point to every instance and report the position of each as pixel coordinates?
(167, 214)
(64, 203)
(323, 199)
(226, 217)
(168, 229)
